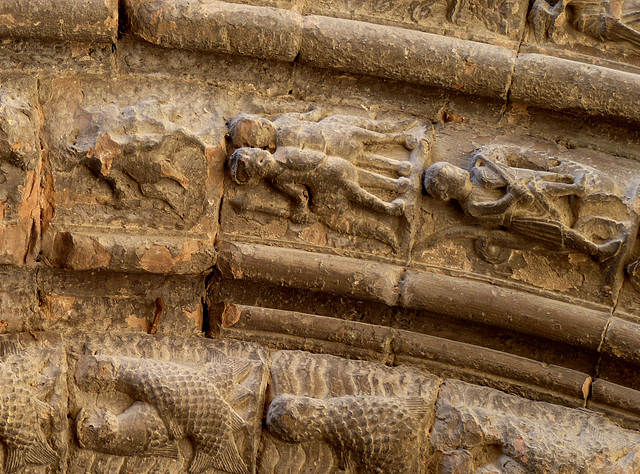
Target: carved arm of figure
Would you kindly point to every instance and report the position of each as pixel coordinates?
(297, 164)
(298, 193)
(515, 193)
(313, 115)
(517, 157)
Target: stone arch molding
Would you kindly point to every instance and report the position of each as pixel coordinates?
(331, 236)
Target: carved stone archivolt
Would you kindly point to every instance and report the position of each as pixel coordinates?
(291, 236)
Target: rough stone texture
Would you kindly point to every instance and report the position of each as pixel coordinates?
(543, 81)
(415, 57)
(173, 378)
(361, 400)
(480, 426)
(92, 301)
(191, 192)
(20, 158)
(18, 299)
(86, 20)
(268, 33)
(129, 164)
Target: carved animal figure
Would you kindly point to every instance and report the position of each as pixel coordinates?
(375, 434)
(534, 195)
(191, 400)
(138, 151)
(20, 418)
(138, 431)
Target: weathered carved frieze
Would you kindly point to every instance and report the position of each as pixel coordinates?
(350, 415)
(326, 174)
(33, 403)
(194, 405)
(422, 195)
(482, 430)
(521, 199)
(139, 164)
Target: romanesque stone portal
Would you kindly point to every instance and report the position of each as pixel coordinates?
(285, 236)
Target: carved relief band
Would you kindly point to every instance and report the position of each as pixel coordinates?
(292, 236)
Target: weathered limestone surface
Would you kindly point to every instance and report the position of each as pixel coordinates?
(345, 414)
(93, 20)
(480, 430)
(319, 236)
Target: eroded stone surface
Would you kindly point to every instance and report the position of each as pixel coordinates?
(341, 414)
(33, 403)
(479, 427)
(125, 184)
(149, 404)
(20, 156)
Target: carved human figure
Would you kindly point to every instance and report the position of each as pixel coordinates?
(335, 135)
(369, 433)
(532, 194)
(192, 401)
(604, 20)
(21, 414)
(327, 185)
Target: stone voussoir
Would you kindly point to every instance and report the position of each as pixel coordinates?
(76, 20)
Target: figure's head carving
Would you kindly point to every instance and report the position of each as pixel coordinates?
(248, 165)
(445, 181)
(291, 418)
(247, 130)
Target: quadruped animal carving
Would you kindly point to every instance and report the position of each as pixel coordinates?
(21, 415)
(371, 433)
(560, 203)
(174, 400)
(318, 163)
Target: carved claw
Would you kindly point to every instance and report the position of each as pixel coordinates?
(608, 250)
